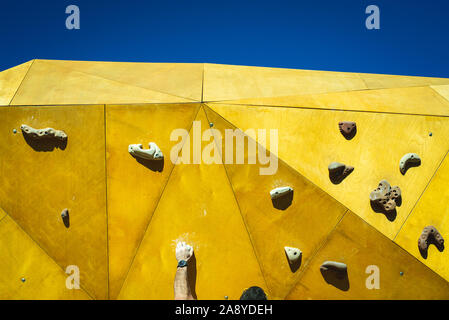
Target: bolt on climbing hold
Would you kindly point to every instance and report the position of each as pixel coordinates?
(282, 197)
(43, 133)
(408, 161)
(385, 198)
(430, 134)
(430, 235)
(14, 130)
(336, 274)
(338, 172)
(293, 254)
(65, 217)
(226, 297)
(22, 279)
(348, 129)
(338, 267)
(401, 273)
(154, 153)
(211, 124)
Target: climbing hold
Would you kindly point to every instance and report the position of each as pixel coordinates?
(336, 274)
(281, 197)
(293, 254)
(338, 172)
(348, 129)
(408, 161)
(65, 217)
(385, 198)
(46, 133)
(154, 153)
(430, 235)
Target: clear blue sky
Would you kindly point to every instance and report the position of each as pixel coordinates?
(313, 34)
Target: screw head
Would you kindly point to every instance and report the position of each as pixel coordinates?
(226, 297)
(23, 279)
(14, 130)
(430, 134)
(401, 273)
(211, 124)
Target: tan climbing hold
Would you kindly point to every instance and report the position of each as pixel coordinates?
(338, 172)
(408, 161)
(46, 133)
(348, 129)
(385, 197)
(339, 268)
(281, 197)
(153, 153)
(430, 235)
(293, 254)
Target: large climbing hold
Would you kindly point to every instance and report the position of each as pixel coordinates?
(39, 134)
(153, 153)
(338, 172)
(385, 198)
(348, 129)
(281, 197)
(408, 161)
(430, 235)
(336, 274)
(293, 254)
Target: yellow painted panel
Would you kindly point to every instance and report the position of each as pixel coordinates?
(198, 207)
(22, 258)
(378, 81)
(432, 209)
(133, 188)
(2, 213)
(10, 81)
(304, 225)
(227, 82)
(309, 140)
(416, 100)
(50, 84)
(37, 185)
(442, 90)
(179, 79)
(359, 245)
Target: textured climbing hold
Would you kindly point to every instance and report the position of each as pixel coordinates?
(348, 129)
(293, 254)
(336, 274)
(65, 217)
(46, 133)
(338, 172)
(430, 235)
(408, 161)
(385, 198)
(281, 197)
(153, 153)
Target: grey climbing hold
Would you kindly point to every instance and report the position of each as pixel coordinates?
(336, 274)
(338, 172)
(293, 254)
(65, 217)
(430, 235)
(408, 161)
(46, 133)
(282, 197)
(154, 153)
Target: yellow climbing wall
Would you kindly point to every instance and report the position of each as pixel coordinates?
(127, 214)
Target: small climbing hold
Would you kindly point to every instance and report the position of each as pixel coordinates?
(430, 235)
(338, 267)
(43, 133)
(293, 254)
(385, 198)
(154, 153)
(336, 274)
(65, 217)
(408, 161)
(14, 130)
(348, 129)
(281, 197)
(338, 172)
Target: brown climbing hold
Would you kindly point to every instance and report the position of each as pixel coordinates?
(338, 172)
(336, 274)
(348, 129)
(430, 235)
(385, 198)
(65, 217)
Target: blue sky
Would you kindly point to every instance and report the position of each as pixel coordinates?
(316, 34)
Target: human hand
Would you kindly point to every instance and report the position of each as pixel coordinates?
(183, 251)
